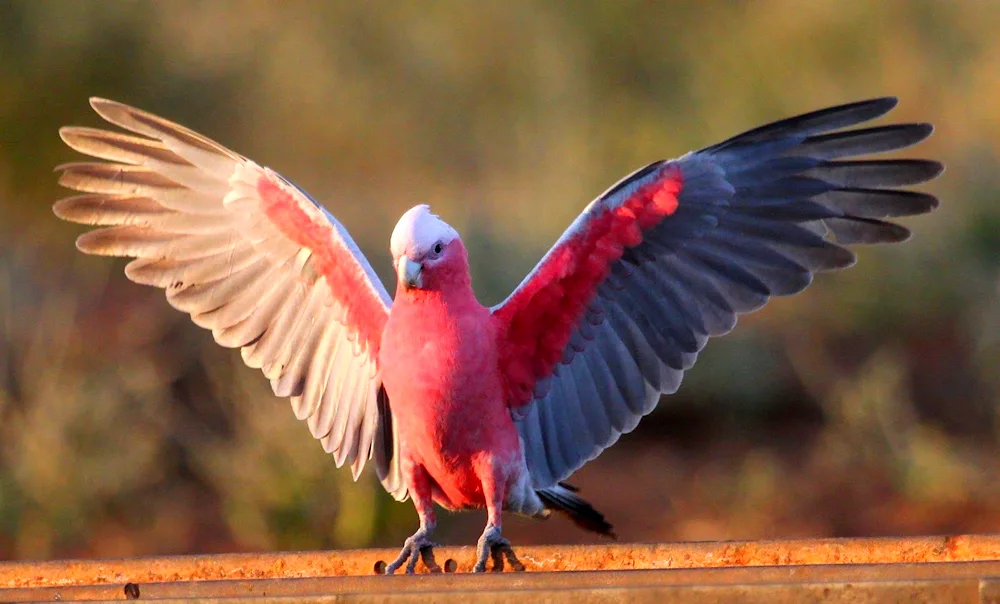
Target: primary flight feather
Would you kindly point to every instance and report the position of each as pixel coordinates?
(467, 406)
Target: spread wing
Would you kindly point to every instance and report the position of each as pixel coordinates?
(249, 256)
(620, 307)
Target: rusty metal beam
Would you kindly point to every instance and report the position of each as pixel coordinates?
(939, 592)
(966, 548)
(799, 577)
(939, 568)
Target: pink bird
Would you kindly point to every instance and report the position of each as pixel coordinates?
(466, 406)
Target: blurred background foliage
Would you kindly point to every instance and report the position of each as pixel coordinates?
(865, 406)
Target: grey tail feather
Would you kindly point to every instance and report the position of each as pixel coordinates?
(563, 498)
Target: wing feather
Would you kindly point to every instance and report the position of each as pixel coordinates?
(672, 254)
(250, 257)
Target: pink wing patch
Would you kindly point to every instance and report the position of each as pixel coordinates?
(332, 259)
(539, 318)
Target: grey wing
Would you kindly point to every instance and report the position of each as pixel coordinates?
(250, 257)
(754, 220)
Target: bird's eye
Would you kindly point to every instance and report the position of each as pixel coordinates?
(438, 247)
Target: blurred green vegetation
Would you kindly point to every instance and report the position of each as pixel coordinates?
(866, 405)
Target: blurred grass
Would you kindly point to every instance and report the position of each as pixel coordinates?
(866, 405)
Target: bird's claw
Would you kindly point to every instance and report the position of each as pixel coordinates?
(417, 546)
(492, 545)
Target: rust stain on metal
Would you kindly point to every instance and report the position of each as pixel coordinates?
(360, 563)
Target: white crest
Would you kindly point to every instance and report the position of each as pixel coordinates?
(417, 231)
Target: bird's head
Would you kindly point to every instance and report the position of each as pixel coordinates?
(427, 252)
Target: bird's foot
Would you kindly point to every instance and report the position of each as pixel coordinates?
(417, 546)
(492, 545)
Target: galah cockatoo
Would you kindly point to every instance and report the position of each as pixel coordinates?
(462, 405)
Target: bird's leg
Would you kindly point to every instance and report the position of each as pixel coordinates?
(418, 545)
(491, 544)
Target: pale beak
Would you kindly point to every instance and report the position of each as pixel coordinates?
(408, 273)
